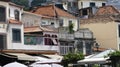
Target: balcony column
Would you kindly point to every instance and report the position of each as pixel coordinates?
(84, 48)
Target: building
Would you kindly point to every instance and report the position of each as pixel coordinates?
(61, 17)
(30, 19)
(91, 3)
(37, 37)
(105, 27)
(81, 40)
(87, 8)
(71, 6)
(11, 27)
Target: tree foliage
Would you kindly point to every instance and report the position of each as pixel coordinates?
(71, 26)
(37, 2)
(116, 53)
(22, 3)
(73, 57)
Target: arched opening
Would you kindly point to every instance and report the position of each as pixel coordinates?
(16, 12)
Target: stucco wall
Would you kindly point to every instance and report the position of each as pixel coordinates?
(105, 33)
(11, 44)
(66, 22)
(31, 19)
(86, 3)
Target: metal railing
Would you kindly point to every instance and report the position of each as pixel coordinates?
(66, 49)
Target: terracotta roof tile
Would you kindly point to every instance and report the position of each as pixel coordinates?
(104, 14)
(32, 29)
(98, 19)
(52, 11)
(37, 29)
(12, 21)
(107, 10)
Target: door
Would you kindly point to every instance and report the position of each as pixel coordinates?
(2, 42)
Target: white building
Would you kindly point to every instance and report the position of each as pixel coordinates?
(56, 16)
(91, 3)
(37, 37)
(11, 28)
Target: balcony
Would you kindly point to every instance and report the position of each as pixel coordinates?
(37, 47)
(66, 36)
(66, 49)
(3, 28)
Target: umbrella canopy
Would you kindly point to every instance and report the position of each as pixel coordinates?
(96, 58)
(46, 65)
(56, 65)
(14, 64)
(40, 65)
(49, 61)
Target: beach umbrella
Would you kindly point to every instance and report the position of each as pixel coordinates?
(56, 65)
(14, 64)
(40, 65)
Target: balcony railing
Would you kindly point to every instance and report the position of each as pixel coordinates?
(66, 49)
(66, 36)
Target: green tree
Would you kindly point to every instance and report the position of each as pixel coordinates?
(116, 53)
(37, 2)
(22, 3)
(72, 58)
(70, 27)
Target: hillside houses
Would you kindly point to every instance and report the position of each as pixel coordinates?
(44, 30)
(105, 26)
(60, 17)
(41, 29)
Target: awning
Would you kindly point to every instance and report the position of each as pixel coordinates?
(56, 57)
(15, 64)
(97, 58)
(22, 56)
(93, 61)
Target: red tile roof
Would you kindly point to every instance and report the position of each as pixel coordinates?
(12, 21)
(104, 14)
(107, 10)
(32, 29)
(37, 29)
(52, 11)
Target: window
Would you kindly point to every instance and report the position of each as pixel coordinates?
(81, 4)
(103, 4)
(92, 4)
(43, 23)
(119, 30)
(16, 35)
(16, 12)
(2, 14)
(70, 22)
(52, 23)
(61, 22)
(84, 12)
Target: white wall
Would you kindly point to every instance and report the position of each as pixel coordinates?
(12, 9)
(30, 19)
(66, 22)
(86, 3)
(11, 44)
(48, 22)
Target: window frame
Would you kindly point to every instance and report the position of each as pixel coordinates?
(91, 4)
(61, 22)
(15, 35)
(17, 14)
(3, 20)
